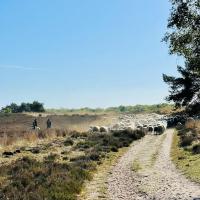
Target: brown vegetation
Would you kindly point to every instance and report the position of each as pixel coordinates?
(59, 175)
(18, 127)
(186, 149)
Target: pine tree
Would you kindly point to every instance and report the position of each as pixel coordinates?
(184, 41)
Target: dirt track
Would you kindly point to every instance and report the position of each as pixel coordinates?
(146, 172)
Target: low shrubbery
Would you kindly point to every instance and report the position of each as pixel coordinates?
(187, 159)
(68, 142)
(108, 142)
(189, 134)
(185, 150)
(29, 179)
(196, 149)
(186, 140)
(163, 108)
(33, 180)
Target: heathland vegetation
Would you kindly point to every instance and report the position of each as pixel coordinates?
(60, 175)
(162, 108)
(186, 149)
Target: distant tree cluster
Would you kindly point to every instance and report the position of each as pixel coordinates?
(24, 107)
(156, 108)
(184, 41)
(163, 108)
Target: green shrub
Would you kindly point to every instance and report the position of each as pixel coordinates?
(114, 149)
(186, 140)
(95, 156)
(68, 142)
(75, 134)
(85, 144)
(65, 158)
(48, 180)
(51, 157)
(196, 149)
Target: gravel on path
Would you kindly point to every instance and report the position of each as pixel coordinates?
(156, 177)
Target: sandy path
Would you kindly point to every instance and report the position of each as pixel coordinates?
(156, 178)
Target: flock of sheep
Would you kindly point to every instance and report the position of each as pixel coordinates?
(148, 123)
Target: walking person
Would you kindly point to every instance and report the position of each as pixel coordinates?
(48, 123)
(35, 124)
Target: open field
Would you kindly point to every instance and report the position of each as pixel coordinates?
(57, 168)
(68, 163)
(18, 127)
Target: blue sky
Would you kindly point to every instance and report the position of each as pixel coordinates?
(94, 53)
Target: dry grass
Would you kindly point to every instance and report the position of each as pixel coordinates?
(16, 133)
(15, 129)
(52, 177)
(29, 138)
(193, 125)
(185, 160)
(184, 154)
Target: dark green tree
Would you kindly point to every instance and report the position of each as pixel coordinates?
(184, 41)
(14, 107)
(25, 107)
(37, 107)
(122, 108)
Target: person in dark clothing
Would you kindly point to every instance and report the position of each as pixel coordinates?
(34, 123)
(48, 123)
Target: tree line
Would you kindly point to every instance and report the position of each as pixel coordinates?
(162, 108)
(183, 38)
(23, 107)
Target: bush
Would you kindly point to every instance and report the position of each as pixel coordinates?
(68, 142)
(49, 180)
(130, 134)
(114, 149)
(186, 140)
(52, 157)
(94, 156)
(196, 149)
(76, 134)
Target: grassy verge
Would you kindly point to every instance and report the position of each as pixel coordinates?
(31, 179)
(185, 160)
